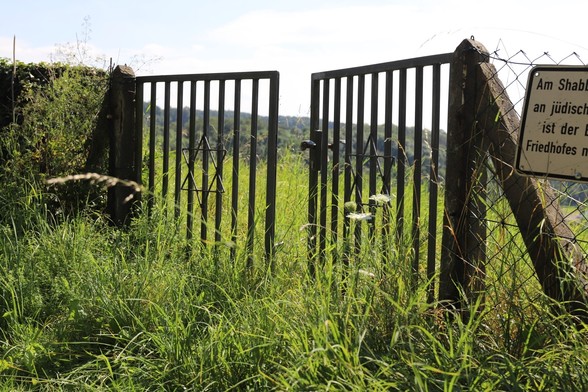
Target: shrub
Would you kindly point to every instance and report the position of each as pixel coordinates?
(50, 133)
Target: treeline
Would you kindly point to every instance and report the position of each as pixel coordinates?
(292, 130)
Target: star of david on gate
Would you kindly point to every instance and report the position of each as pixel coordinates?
(366, 157)
(214, 156)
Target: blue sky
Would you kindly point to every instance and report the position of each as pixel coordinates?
(294, 37)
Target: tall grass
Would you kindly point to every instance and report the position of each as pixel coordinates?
(87, 307)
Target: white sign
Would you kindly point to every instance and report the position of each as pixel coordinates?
(553, 140)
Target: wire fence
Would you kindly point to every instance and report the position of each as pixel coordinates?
(511, 277)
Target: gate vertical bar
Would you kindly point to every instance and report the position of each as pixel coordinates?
(152, 114)
(388, 159)
(314, 168)
(252, 171)
(417, 162)
(373, 151)
(139, 135)
(166, 110)
(400, 177)
(272, 162)
(204, 147)
(388, 162)
(219, 162)
(236, 160)
(324, 172)
(433, 181)
(347, 180)
(179, 125)
(191, 160)
(359, 154)
(335, 199)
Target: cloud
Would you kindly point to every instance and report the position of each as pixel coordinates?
(302, 38)
(24, 51)
(337, 26)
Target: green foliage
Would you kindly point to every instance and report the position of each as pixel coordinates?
(13, 82)
(57, 108)
(88, 307)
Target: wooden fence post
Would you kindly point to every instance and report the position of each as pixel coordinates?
(464, 233)
(122, 197)
(483, 125)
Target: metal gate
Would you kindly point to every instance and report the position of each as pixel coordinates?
(359, 155)
(213, 131)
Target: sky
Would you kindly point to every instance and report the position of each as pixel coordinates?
(295, 38)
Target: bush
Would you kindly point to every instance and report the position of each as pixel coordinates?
(50, 133)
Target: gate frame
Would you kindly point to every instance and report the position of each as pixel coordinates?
(319, 145)
(127, 145)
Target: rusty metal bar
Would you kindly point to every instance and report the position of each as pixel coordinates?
(236, 160)
(336, 162)
(387, 66)
(219, 162)
(417, 170)
(272, 163)
(179, 123)
(152, 114)
(252, 170)
(359, 154)
(314, 168)
(166, 110)
(324, 173)
(388, 162)
(433, 181)
(139, 101)
(204, 148)
(191, 160)
(208, 76)
(347, 180)
(388, 159)
(401, 170)
(373, 151)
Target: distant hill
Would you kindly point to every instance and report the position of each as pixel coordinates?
(292, 130)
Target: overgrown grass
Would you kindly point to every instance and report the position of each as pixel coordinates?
(87, 307)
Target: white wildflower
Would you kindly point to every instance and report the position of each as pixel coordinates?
(380, 199)
(360, 216)
(367, 273)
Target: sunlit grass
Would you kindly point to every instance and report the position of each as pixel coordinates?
(88, 307)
